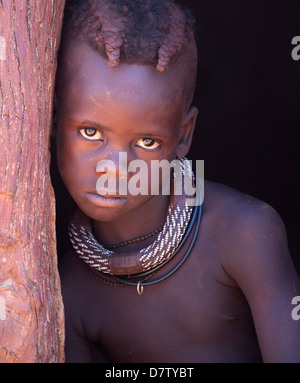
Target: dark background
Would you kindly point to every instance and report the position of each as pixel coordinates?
(248, 94)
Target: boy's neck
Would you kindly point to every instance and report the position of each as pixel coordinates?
(138, 223)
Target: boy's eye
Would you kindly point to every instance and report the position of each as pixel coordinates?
(148, 143)
(91, 134)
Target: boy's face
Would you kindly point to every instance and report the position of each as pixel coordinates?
(101, 112)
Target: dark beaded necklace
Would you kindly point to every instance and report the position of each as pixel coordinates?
(135, 240)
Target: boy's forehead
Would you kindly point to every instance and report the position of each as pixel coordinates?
(83, 72)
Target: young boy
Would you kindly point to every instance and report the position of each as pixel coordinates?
(218, 292)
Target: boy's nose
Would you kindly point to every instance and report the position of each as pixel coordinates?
(115, 164)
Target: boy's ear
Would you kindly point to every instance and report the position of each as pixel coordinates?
(55, 110)
(187, 131)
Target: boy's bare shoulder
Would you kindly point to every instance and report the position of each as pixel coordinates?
(228, 203)
(250, 232)
(239, 215)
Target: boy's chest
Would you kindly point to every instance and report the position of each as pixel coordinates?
(172, 317)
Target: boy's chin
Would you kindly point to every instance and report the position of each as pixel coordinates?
(109, 209)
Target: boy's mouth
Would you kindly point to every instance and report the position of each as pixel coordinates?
(107, 200)
(106, 193)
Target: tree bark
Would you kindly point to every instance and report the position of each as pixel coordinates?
(31, 309)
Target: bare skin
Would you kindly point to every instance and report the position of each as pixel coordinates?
(231, 299)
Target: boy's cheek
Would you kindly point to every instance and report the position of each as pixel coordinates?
(76, 171)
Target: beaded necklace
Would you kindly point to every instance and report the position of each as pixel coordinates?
(142, 279)
(148, 259)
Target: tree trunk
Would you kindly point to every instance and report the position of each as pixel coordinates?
(31, 310)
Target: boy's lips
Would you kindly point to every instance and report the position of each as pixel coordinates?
(106, 193)
(107, 200)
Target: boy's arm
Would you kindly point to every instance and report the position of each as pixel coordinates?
(78, 349)
(260, 263)
(77, 346)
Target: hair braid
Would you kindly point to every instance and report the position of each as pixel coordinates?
(112, 27)
(146, 32)
(174, 40)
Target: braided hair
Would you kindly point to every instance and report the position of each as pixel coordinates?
(145, 32)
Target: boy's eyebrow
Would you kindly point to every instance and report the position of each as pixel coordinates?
(94, 124)
(142, 134)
